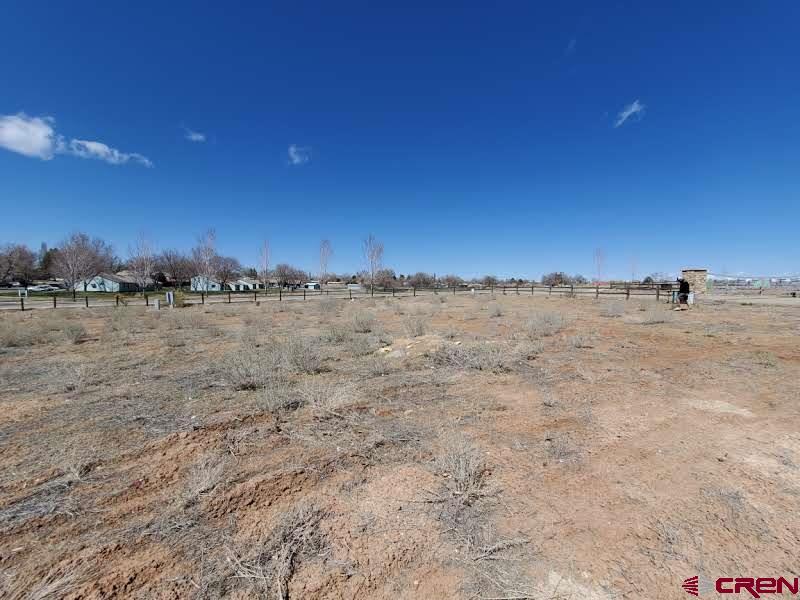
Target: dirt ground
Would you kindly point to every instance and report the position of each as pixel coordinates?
(430, 447)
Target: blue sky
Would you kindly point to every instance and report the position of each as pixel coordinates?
(512, 138)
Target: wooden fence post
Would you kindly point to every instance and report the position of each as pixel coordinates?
(572, 291)
(658, 293)
(22, 304)
(372, 290)
(531, 290)
(116, 298)
(280, 294)
(86, 301)
(54, 300)
(229, 297)
(146, 300)
(392, 291)
(596, 292)
(202, 298)
(414, 290)
(627, 292)
(255, 296)
(550, 291)
(304, 293)
(351, 293)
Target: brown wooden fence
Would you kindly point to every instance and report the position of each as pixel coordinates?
(111, 300)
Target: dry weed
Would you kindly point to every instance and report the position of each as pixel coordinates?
(544, 324)
(269, 566)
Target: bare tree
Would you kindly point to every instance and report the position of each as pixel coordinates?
(204, 257)
(373, 256)
(17, 262)
(325, 253)
(142, 261)
(226, 270)
(263, 264)
(80, 258)
(421, 279)
(175, 266)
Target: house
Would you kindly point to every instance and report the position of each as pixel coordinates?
(201, 283)
(246, 283)
(108, 282)
(312, 285)
(240, 284)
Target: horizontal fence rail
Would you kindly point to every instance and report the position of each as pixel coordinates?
(66, 300)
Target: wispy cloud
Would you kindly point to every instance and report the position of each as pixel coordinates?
(100, 151)
(194, 136)
(299, 155)
(634, 110)
(36, 137)
(571, 46)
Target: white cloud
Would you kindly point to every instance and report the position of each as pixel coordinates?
(194, 136)
(100, 151)
(299, 155)
(634, 109)
(36, 137)
(29, 136)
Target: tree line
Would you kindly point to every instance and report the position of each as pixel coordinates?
(79, 258)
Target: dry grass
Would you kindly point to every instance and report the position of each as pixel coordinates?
(544, 324)
(481, 356)
(416, 325)
(363, 321)
(655, 314)
(269, 564)
(613, 309)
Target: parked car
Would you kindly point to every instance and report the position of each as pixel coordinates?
(43, 288)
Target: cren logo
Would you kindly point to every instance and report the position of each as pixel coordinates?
(691, 585)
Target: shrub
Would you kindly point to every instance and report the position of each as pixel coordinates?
(251, 367)
(544, 324)
(304, 355)
(580, 341)
(655, 315)
(363, 321)
(613, 309)
(336, 334)
(328, 306)
(15, 334)
(495, 310)
(73, 332)
(415, 325)
(325, 397)
(477, 355)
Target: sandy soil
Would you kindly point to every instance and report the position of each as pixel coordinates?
(432, 447)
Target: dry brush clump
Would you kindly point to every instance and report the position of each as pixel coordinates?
(613, 309)
(495, 310)
(655, 314)
(363, 321)
(544, 324)
(270, 563)
(326, 397)
(481, 356)
(16, 334)
(416, 325)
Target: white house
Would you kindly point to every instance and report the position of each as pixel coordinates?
(200, 283)
(312, 285)
(107, 282)
(241, 284)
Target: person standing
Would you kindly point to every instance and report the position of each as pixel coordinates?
(683, 293)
